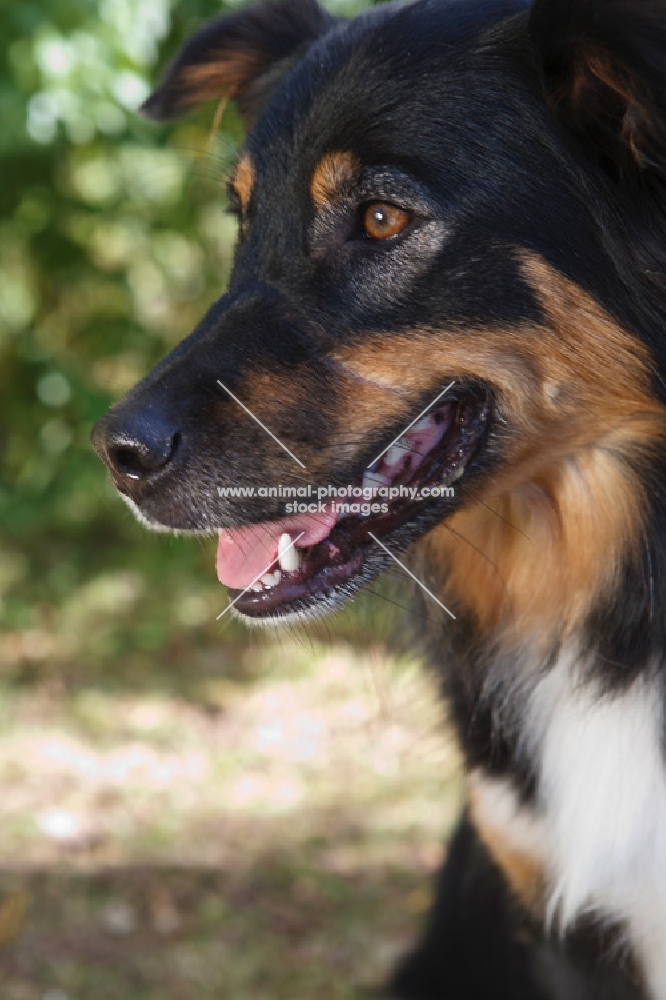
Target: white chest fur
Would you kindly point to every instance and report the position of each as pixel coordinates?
(601, 827)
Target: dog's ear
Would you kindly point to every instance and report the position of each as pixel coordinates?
(604, 75)
(240, 56)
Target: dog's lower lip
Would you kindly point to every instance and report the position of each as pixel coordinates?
(340, 557)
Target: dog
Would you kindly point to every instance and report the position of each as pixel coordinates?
(450, 277)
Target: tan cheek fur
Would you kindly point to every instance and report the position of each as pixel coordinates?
(575, 393)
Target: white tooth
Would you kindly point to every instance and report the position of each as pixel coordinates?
(288, 555)
(421, 425)
(271, 579)
(395, 453)
(373, 480)
(256, 587)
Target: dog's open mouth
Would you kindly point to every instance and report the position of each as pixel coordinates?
(281, 568)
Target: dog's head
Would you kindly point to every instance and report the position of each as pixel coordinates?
(443, 210)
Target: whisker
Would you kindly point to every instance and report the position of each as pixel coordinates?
(476, 549)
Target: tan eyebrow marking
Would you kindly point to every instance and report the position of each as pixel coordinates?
(332, 173)
(243, 180)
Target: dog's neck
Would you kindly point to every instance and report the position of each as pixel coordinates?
(560, 707)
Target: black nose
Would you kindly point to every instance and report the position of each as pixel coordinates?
(135, 445)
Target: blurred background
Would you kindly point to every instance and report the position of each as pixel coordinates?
(187, 809)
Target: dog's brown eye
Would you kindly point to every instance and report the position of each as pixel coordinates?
(381, 220)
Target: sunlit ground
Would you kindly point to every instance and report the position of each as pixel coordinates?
(269, 835)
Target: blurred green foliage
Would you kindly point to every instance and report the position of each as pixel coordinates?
(113, 241)
(178, 754)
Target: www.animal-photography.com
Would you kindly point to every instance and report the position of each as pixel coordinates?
(333, 476)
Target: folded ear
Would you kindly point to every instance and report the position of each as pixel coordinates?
(604, 74)
(240, 56)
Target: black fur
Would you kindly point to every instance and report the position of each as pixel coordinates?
(506, 132)
(478, 944)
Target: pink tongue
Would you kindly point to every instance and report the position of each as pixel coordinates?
(244, 554)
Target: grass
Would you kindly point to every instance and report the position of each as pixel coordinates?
(260, 826)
